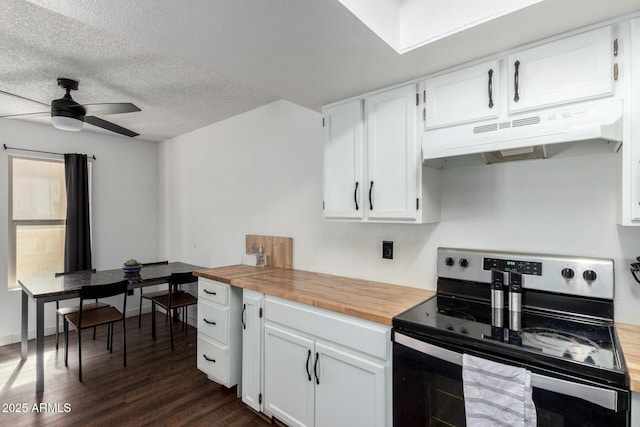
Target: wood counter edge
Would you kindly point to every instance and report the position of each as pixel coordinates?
(629, 337)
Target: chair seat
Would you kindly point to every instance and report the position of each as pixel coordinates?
(99, 316)
(63, 311)
(177, 300)
(152, 295)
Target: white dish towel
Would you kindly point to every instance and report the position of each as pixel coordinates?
(496, 394)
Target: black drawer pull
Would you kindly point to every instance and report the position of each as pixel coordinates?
(209, 292)
(244, 309)
(209, 322)
(315, 368)
(208, 359)
(370, 201)
(355, 196)
(308, 358)
(490, 88)
(516, 81)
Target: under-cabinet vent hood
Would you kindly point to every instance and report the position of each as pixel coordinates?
(527, 136)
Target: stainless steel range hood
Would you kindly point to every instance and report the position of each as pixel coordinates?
(528, 135)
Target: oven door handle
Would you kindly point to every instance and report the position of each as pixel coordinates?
(606, 398)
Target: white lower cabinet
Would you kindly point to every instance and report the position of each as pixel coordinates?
(252, 348)
(219, 332)
(325, 369)
(350, 390)
(288, 377)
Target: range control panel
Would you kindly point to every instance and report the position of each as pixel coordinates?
(592, 277)
(522, 267)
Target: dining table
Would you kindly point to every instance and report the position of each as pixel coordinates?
(48, 288)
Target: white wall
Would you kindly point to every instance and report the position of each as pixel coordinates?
(261, 173)
(124, 205)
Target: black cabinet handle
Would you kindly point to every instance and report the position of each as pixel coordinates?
(315, 368)
(209, 292)
(209, 322)
(208, 359)
(370, 201)
(244, 309)
(516, 78)
(308, 359)
(490, 88)
(355, 196)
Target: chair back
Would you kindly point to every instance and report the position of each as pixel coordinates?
(182, 278)
(177, 279)
(104, 291)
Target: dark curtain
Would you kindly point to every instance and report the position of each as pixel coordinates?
(77, 242)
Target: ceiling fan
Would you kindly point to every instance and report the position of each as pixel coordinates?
(67, 114)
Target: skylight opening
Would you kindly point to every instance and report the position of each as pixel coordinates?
(409, 24)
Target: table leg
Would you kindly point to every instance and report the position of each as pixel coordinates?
(39, 345)
(24, 332)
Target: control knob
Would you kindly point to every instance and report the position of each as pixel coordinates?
(589, 275)
(449, 261)
(464, 262)
(567, 273)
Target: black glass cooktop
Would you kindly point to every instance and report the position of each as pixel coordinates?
(580, 346)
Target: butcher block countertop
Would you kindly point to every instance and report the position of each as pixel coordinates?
(629, 336)
(374, 301)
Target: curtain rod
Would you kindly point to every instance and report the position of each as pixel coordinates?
(38, 151)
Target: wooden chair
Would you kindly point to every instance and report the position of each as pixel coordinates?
(174, 300)
(151, 295)
(84, 319)
(61, 312)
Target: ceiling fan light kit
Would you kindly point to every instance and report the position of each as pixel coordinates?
(67, 114)
(62, 122)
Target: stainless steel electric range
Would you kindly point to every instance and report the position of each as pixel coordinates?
(552, 315)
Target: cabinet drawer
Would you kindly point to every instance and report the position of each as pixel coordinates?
(213, 360)
(213, 291)
(213, 321)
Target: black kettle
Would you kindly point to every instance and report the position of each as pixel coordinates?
(635, 268)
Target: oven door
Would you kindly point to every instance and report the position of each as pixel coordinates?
(428, 391)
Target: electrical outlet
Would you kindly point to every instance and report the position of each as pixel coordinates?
(387, 249)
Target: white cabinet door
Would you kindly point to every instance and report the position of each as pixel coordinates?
(350, 390)
(288, 386)
(567, 70)
(343, 158)
(392, 154)
(252, 303)
(462, 96)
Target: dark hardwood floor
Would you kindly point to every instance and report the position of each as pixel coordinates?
(158, 387)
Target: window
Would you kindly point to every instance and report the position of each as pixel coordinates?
(37, 215)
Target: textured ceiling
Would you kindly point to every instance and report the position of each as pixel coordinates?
(187, 64)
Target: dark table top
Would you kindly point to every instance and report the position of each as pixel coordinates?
(67, 286)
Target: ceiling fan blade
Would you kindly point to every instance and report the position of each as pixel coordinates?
(26, 99)
(109, 126)
(43, 113)
(109, 108)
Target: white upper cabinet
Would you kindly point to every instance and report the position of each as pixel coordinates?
(572, 69)
(392, 154)
(462, 96)
(343, 158)
(372, 164)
